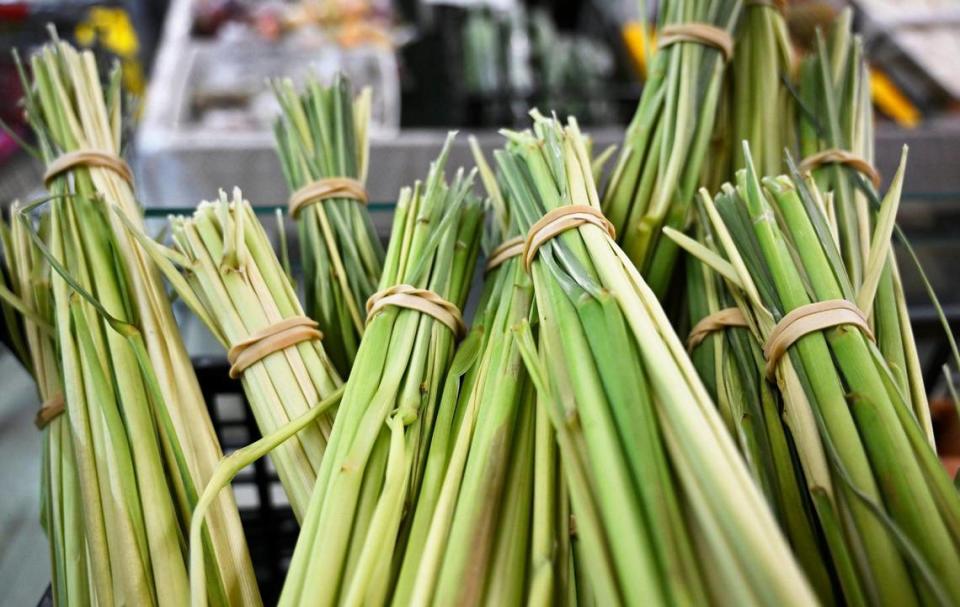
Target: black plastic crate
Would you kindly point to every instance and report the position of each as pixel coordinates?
(267, 517)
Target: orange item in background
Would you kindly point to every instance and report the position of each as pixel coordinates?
(891, 101)
(638, 43)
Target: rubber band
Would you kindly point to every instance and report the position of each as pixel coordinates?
(421, 300)
(809, 319)
(558, 221)
(326, 189)
(271, 339)
(49, 411)
(700, 33)
(88, 158)
(777, 5)
(508, 249)
(711, 323)
(838, 156)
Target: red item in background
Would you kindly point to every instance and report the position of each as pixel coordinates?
(946, 427)
(10, 93)
(14, 11)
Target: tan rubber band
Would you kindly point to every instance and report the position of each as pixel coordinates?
(326, 189)
(49, 411)
(711, 323)
(266, 341)
(508, 249)
(808, 319)
(421, 300)
(558, 221)
(89, 158)
(777, 5)
(700, 33)
(836, 156)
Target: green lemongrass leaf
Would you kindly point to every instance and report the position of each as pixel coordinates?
(523, 334)
(500, 211)
(165, 258)
(881, 243)
(600, 161)
(122, 327)
(708, 257)
(20, 306)
(447, 222)
(733, 254)
(931, 294)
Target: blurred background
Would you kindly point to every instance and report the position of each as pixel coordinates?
(203, 116)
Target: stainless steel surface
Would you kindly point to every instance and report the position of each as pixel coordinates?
(207, 120)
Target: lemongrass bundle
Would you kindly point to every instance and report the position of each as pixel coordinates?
(31, 302)
(890, 515)
(237, 287)
(653, 476)
(355, 530)
(666, 144)
(486, 527)
(142, 437)
(836, 142)
(730, 362)
(322, 143)
(761, 104)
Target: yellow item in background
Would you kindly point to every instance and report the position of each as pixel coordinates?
(639, 43)
(889, 100)
(113, 30)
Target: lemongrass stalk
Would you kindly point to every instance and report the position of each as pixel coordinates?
(70, 111)
(619, 373)
(390, 406)
(660, 164)
(322, 133)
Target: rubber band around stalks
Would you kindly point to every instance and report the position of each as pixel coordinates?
(50, 410)
(421, 300)
(507, 250)
(326, 189)
(88, 158)
(274, 338)
(807, 319)
(777, 5)
(711, 323)
(558, 221)
(698, 33)
(838, 156)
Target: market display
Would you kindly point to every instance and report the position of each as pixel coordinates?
(690, 379)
